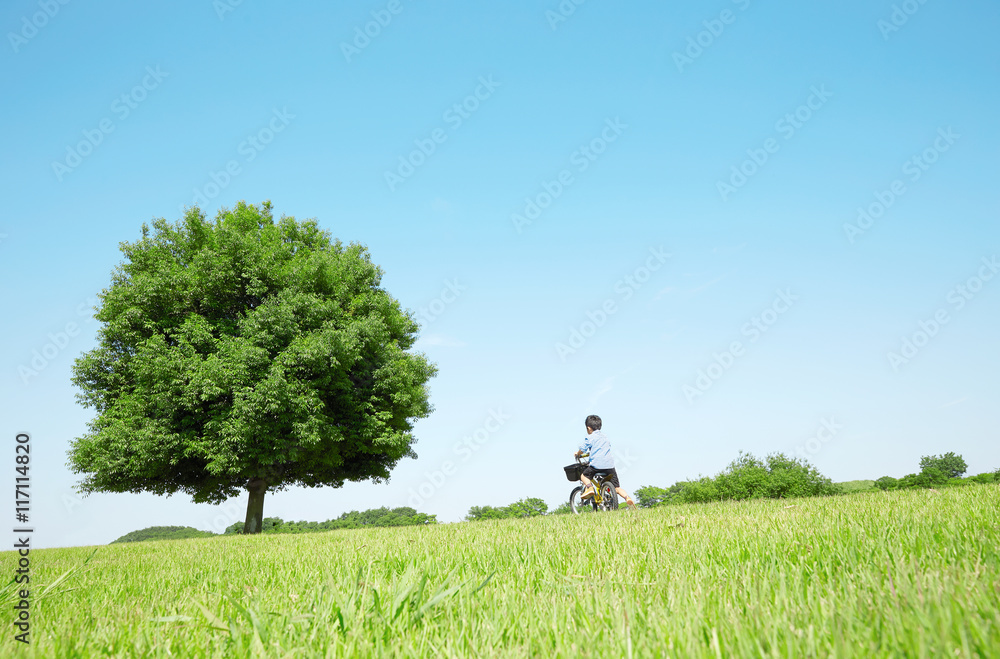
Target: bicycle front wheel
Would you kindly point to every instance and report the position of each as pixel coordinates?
(579, 506)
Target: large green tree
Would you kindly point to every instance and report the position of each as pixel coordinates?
(951, 464)
(246, 353)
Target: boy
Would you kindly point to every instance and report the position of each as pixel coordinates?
(598, 446)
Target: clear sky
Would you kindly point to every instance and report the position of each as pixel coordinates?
(709, 224)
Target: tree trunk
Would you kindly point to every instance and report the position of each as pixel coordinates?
(255, 506)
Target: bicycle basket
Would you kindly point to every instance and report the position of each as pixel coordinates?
(573, 471)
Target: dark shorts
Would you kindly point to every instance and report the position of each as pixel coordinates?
(590, 472)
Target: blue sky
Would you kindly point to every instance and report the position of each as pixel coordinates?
(633, 119)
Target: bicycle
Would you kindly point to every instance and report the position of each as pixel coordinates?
(605, 496)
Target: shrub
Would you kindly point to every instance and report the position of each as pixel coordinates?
(776, 477)
(702, 490)
(789, 477)
(649, 496)
(531, 507)
(928, 477)
(747, 477)
(931, 477)
(887, 483)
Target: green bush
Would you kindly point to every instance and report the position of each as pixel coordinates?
(650, 496)
(776, 477)
(887, 483)
(789, 478)
(531, 507)
(931, 477)
(747, 477)
(479, 513)
(703, 490)
(927, 478)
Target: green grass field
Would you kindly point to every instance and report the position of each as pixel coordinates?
(874, 574)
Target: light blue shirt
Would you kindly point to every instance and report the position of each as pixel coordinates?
(598, 446)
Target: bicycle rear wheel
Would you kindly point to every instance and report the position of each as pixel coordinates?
(609, 496)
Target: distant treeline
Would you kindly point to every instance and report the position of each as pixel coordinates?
(781, 477)
(530, 507)
(775, 477)
(353, 520)
(163, 533)
(404, 516)
(945, 470)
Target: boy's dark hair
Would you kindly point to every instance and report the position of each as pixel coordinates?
(593, 422)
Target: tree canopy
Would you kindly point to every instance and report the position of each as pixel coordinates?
(529, 507)
(952, 465)
(246, 353)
